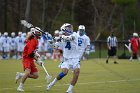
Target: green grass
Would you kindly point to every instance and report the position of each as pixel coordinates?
(95, 77)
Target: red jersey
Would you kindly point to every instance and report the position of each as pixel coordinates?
(134, 42)
(29, 49)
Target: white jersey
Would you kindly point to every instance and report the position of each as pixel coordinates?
(83, 42)
(0, 43)
(70, 48)
(20, 43)
(13, 43)
(20, 40)
(5, 42)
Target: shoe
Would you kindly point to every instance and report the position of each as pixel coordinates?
(18, 76)
(49, 86)
(106, 61)
(115, 62)
(20, 89)
(68, 91)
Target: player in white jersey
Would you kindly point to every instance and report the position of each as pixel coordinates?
(13, 45)
(83, 40)
(6, 45)
(0, 45)
(71, 57)
(20, 42)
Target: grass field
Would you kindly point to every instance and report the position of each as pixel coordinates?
(95, 77)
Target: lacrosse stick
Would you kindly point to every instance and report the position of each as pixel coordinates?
(128, 47)
(29, 25)
(48, 77)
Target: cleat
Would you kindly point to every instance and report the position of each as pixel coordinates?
(18, 76)
(106, 61)
(20, 89)
(116, 62)
(49, 86)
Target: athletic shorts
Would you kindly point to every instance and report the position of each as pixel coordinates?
(6, 49)
(71, 63)
(30, 65)
(135, 50)
(112, 51)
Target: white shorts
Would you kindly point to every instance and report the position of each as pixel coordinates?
(20, 48)
(71, 63)
(13, 48)
(6, 49)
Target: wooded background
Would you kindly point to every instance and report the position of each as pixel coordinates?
(99, 16)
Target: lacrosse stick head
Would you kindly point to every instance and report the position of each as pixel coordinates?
(48, 78)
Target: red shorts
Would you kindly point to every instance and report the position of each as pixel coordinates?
(135, 50)
(28, 63)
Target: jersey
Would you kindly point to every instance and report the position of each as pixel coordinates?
(30, 48)
(112, 41)
(5, 42)
(0, 43)
(13, 43)
(20, 42)
(70, 48)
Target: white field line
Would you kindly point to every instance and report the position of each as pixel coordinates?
(86, 83)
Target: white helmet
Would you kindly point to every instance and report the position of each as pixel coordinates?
(135, 34)
(5, 33)
(24, 34)
(19, 33)
(81, 27)
(35, 31)
(67, 28)
(56, 32)
(13, 34)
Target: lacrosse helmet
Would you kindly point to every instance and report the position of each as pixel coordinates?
(5, 33)
(81, 30)
(67, 28)
(135, 34)
(13, 34)
(36, 32)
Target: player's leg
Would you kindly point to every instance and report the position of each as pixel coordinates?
(59, 77)
(23, 79)
(114, 50)
(108, 56)
(76, 73)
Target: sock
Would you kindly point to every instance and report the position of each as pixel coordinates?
(21, 85)
(22, 74)
(54, 81)
(70, 88)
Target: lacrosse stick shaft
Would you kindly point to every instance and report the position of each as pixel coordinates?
(45, 70)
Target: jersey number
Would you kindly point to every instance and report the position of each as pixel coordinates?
(68, 45)
(79, 42)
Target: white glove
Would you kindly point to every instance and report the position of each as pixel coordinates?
(37, 55)
(39, 62)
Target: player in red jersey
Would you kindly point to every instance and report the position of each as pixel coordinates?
(28, 57)
(134, 41)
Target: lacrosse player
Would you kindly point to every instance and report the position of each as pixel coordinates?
(134, 41)
(112, 44)
(13, 45)
(6, 45)
(71, 57)
(20, 44)
(29, 54)
(83, 40)
(0, 45)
